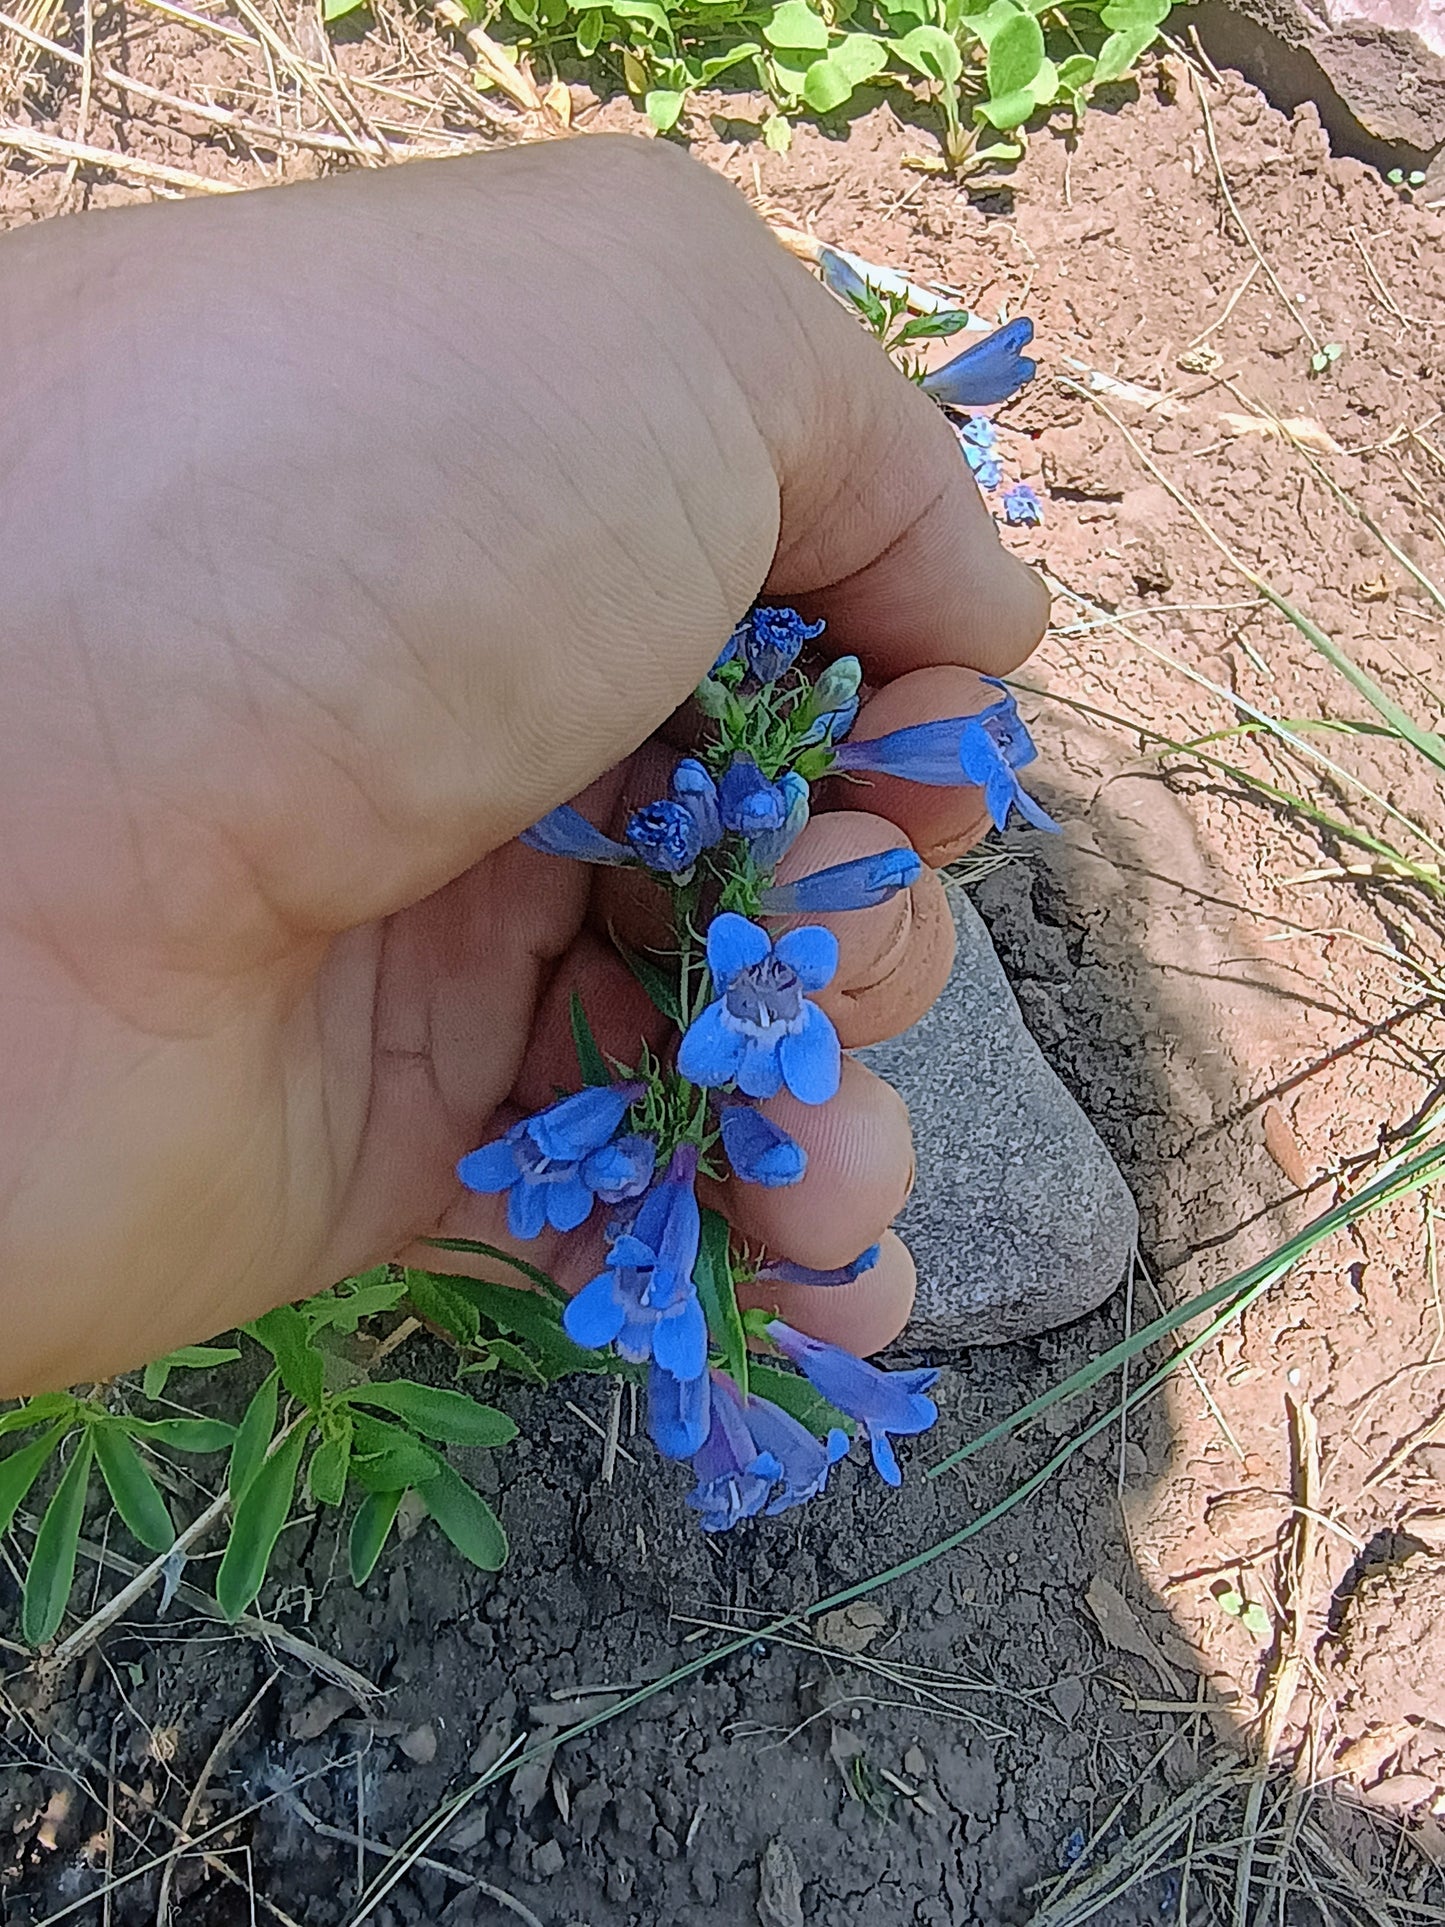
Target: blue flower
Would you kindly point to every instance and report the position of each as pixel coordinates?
(978, 432)
(989, 372)
(833, 704)
(842, 277)
(552, 1165)
(736, 645)
(622, 1169)
(644, 1301)
(677, 1412)
(756, 1458)
(775, 639)
(962, 749)
(1021, 507)
(759, 1151)
(1006, 728)
(566, 832)
(749, 803)
(782, 1271)
(987, 471)
(666, 837)
(885, 1404)
(695, 790)
(858, 885)
(769, 847)
(761, 1030)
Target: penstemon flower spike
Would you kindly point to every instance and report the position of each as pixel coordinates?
(742, 997)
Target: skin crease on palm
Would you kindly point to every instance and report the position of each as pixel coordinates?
(345, 529)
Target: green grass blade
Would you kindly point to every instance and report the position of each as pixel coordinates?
(137, 1498)
(51, 1573)
(590, 1061)
(184, 1434)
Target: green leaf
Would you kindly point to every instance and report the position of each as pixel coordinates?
(1015, 55)
(52, 1563)
(931, 52)
(795, 25)
(535, 1320)
(589, 39)
(1123, 14)
(257, 1525)
(36, 1411)
(387, 1458)
(777, 134)
(466, 1519)
(1076, 74)
(345, 1305)
(184, 1434)
(933, 327)
(663, 107)
(648, 11)
(253, 1435)
(858, 57)
(452, 1418)
(714, 1280)
(326, 1474)
(503, 1354)
(797, 1397)
(660, 985)
(369, 1532)
(192, 1357)
(286, 1335)
(546, 1284)
(1009, 110)
(137, 1499)
(20, 1469)
(438, 1302)
(590, 1061)
(1120, 51)
(338, 9)
(708, 70)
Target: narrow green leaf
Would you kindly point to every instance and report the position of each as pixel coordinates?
(258, 1523)
(590, 1061)
(285, 1334)
(326, 1474)
(437, 1302)
(1015, 55)
(21, 1468)
(660, 985)
(51, 1571)
(387, 1459)
(719, 1301)
(37, 1411)
(136, 1496)
(933, 327)
(253, 1435)
(931, 52)
(466, 1519)
(192, 1357)
(545, 1283)
(450, 1417)
(1120, 51)
(1135, 13)
(501, 1352)
(589, 39)
(797, 1397)
(794, 24)
(370, 1530)
(183, 1434)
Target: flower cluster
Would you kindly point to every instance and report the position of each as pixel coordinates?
(761, 1436)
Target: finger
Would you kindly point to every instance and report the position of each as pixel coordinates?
(617, 1010)
(860, 1168)
(863, 1317)
(893, 959)
(941, 824)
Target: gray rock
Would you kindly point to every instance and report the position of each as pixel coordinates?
(1020, 1220)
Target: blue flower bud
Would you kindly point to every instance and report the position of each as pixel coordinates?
(749, 803)
(772, 846)
(665, 836)
(695, 790)
(759, 1151)
(566, 832)
(776, 639)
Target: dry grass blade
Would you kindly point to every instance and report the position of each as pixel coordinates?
(59, 153)
(229, 1735)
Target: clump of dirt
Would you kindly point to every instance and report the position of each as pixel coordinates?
(1248, 1022)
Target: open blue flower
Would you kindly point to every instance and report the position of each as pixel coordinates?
(749, 803)
(554, 1164)
(782, 1271)
(961, 749)
(988, 372)
(756, 1458)
(885, 1404)
(775, 637)
(1021, 507)
(759, 1151)
(760, 1029)
(677, 1412)
(566, 832)
(645, 1301)
(856, 885)
(769, 847)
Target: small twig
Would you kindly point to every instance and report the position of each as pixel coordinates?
(87, 80)
(1228, 309)
(227, 1740)
(105, 1911)
(346, 1838)
(50, 147)
(611, 1445)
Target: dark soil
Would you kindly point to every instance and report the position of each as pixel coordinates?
(1242, 1045)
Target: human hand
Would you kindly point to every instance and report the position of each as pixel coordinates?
(346, 529)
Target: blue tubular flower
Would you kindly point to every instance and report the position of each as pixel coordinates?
(1007, 729)
(545, 1164)
(858, 885)
(695, 790)
(962, 749)
(756, 1458)
(782, 1271)
(645, 1301)
(666, 837)
(566, 832)
(622, 1169)
(770, 847)
(736, 645)
(749, 803)
(1021, 507)
(883, 1403)
(777, 637)
(677, 1412)
(841, 276)
(760, 1029)
(759, 1151)
(989, 372)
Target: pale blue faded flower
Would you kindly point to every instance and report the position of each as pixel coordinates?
(769, 847)
(1021, 507)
